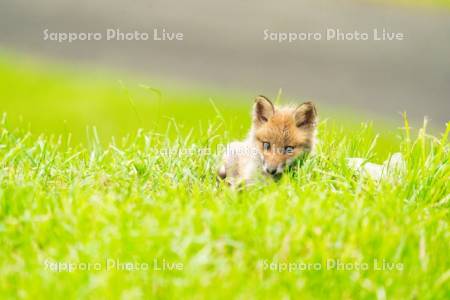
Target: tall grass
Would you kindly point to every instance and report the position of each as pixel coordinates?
(95, 172)
(147, 196)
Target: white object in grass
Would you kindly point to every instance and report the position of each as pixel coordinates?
(394, 165)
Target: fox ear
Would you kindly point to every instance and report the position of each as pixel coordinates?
(263, 110)
(305, 115)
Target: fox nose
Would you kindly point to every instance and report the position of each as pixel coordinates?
(271, 171)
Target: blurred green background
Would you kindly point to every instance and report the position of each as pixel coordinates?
(223, 58)
(211, 77)
(63, 100)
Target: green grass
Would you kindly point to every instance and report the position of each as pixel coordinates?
(53, 99)
(44, 97)
(76, 195)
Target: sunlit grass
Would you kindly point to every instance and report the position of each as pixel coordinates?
(147, 197)
(80, 196)
(54, 99)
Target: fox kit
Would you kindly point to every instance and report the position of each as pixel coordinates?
(277, 137)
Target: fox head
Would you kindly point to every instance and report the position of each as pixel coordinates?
(282, 134)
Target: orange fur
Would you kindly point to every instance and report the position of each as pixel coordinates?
(277, 137)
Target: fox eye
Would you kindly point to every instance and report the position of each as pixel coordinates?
(266, 145)
(288, 150)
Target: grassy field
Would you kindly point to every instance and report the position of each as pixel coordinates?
(118, 212)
